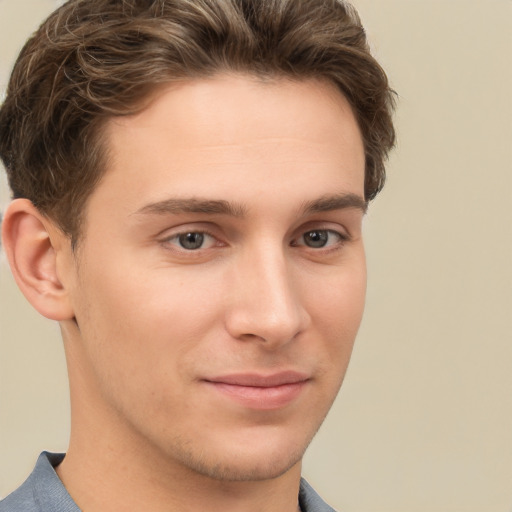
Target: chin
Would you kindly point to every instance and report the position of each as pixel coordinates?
(250, 462)
(246, 469)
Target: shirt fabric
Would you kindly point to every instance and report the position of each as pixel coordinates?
(44, 492)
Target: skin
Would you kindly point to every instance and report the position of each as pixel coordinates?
(150, 326)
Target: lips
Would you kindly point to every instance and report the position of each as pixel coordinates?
(262, 392)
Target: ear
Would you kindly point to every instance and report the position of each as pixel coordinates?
(32, 244)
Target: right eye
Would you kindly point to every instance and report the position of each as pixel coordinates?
(191, 240)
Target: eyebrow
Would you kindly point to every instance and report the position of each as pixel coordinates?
(222, 207)
(193, 205)
(336, 202)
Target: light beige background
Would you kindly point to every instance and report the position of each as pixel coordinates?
(424, 420)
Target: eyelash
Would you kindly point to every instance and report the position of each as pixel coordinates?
(177, 236)
(342, 238)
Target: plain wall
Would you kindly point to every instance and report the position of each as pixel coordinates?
(424, 419)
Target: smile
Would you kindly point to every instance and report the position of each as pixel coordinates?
(260, 392)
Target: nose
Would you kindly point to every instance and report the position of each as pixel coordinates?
(265, 300)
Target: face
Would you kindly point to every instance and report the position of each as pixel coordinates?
(220, 281)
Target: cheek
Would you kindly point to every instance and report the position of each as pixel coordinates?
(337, 314)
(130, 342)
(340, 302)
(139, 321)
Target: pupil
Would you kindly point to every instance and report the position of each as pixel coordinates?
(191, 240)
(316, 238)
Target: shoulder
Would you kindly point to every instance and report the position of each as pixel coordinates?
(22, 500)
(310, 501)
(42, 491)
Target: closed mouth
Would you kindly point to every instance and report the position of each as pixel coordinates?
(258, 391)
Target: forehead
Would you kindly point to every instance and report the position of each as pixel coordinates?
(241, 106)
(234, 134)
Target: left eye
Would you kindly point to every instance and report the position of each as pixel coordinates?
(319, 238)
(192, 240)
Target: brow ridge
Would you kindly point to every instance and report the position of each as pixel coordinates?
(193, 205)
(222, 207)
(336, 202)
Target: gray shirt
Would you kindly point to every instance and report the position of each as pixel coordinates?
(43, 492)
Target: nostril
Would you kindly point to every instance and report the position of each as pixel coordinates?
(264, 324)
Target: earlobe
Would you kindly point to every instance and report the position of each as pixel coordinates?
(32, 248)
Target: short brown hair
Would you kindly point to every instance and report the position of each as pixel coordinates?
(94, 59)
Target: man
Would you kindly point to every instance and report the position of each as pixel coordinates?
(189, 181)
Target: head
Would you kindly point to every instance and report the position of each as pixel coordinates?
(98, 59)
(213, 161)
